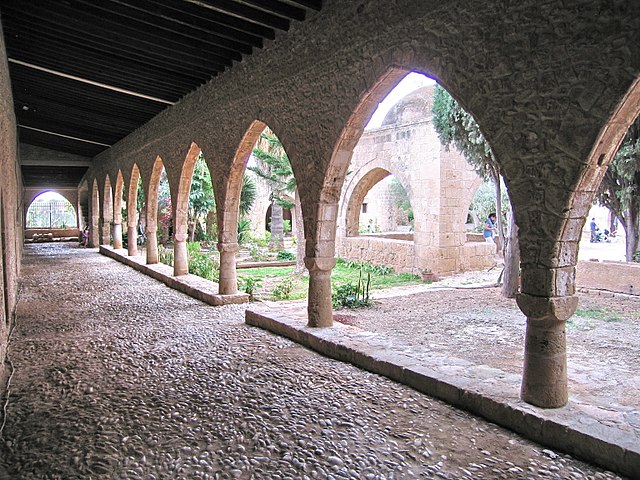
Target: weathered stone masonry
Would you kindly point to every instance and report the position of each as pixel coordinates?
(553, 86)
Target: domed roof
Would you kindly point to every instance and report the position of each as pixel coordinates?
(412, 108)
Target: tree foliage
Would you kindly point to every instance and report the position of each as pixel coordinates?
(455, 126)
(620, 188)
(201, 199)
(273, 166)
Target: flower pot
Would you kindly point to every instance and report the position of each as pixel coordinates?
(428, 276)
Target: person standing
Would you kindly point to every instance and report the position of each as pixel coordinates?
(490, 228)
(594, 229)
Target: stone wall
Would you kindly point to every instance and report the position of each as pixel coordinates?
(440, 185)
(400, 254)
(10, 209)
(612, 276)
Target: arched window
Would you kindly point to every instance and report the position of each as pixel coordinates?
(51, 210)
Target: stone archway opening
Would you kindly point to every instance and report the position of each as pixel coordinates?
(158, 211)
(51, 216)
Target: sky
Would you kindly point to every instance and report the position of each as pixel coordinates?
(408, 84)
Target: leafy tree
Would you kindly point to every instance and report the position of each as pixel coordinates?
(620, 188)
(455, 126)
(401, 199)
(201, 200)
(272, 165)
(248, 195)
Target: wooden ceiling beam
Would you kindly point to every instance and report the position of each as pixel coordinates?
(213, 43)
(205, 24)
(100, 47)
(245, 12)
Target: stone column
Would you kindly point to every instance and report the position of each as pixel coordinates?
(228, 281)
(544, 378)
(319, 308)
(132, 240)
(152, 244)
(180, 257)
(105, 232)
(117, 235)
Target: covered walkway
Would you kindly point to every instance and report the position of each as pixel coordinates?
(118, 376)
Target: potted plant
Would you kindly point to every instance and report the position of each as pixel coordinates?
(427, 275)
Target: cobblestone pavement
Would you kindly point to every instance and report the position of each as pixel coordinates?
(119, 377)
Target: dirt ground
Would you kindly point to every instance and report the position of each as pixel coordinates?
(482, 326)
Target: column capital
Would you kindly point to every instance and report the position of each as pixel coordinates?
(547, 308)
(228, 247)
(181, 237)
(319, 265)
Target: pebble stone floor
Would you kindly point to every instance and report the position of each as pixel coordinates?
(119, 377)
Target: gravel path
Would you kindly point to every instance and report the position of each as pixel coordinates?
(119, 377)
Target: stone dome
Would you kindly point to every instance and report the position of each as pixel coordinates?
(414, 107)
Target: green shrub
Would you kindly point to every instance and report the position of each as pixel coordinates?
(193, 247)
(244, 231)
(258, 253)
(285, 255)
(352, 296)
(205, 266)
(249, 285)
(165, 255)
(282, 291)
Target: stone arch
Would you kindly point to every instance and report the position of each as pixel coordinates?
(32, 196)
(321, 236)
(151, 207)
(132, 211)
(548, 285)
(181, 209)
(602, 154)
(117, 211)
(228, 213)
(107, 212)
(352, 214)
(94, 223)
(83, 205)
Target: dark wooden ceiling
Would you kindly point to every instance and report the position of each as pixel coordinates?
(86, 73)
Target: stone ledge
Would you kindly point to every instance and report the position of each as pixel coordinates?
(481, 390)
(192, 285)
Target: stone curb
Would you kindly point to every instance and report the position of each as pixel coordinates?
(192, 285)
(481, 390)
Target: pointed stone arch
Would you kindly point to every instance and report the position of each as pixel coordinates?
(181, 212)
(366, 183)
(320, 241)
(151, 209)
(228, 212)
(117, 211)
(132, 211)
(548, 288)
(94, 222)
(106, 216)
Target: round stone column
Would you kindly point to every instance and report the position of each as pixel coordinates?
(105, 232)
(228, 281)
(544, 377)
(117, 235)
(132, 240)
(152, 245)
(319, 308)
(180, 257)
